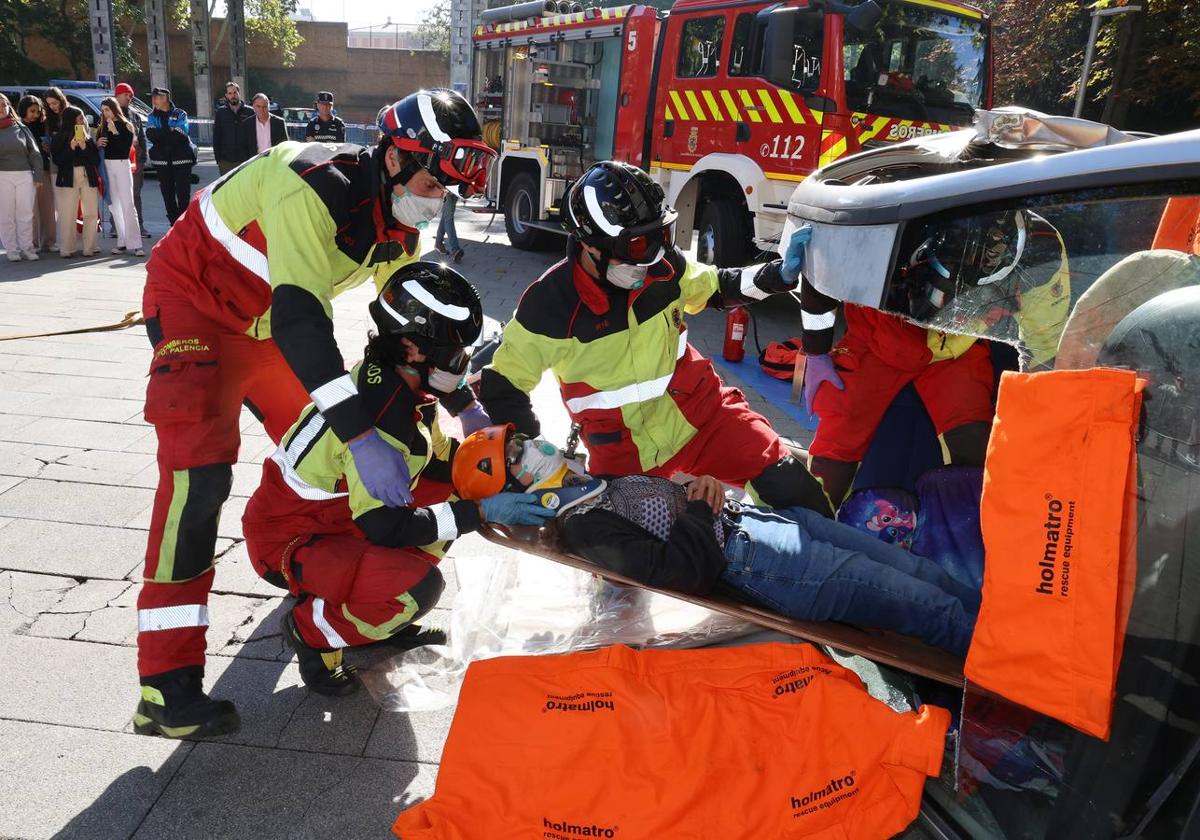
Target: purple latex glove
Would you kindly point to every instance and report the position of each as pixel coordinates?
(473, 418)
(382, 469)
(818, 370)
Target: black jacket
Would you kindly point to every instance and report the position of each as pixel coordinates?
(248, 135)
(333, 131)
(67, 158)
(689, 561)
(226, 143)
(139, 125)
(119, 142)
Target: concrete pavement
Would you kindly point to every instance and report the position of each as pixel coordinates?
(77, 478)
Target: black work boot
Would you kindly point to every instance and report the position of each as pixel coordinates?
(321, 669)
(174, 705)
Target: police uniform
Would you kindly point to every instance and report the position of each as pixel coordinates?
(331, 131)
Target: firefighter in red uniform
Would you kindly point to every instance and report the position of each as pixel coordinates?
(237, 305)
(608, 321)
(362, 571)
(972, 273)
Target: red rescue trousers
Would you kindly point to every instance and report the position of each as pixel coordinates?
(349, 591)
(201, 375)
(955, 392)
(736, 445)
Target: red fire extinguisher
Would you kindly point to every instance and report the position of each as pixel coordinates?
(735, 334)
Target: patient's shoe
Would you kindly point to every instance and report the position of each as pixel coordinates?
(562, 499)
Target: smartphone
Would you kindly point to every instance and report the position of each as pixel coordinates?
(81, 134)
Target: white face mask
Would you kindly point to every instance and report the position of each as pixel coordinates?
(415, 211)
(627, 276)
(541, 464)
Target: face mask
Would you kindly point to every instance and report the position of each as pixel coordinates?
(626, 276)
(541, 464)
(414, 211)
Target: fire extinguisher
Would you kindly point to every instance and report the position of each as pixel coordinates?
(735, 334)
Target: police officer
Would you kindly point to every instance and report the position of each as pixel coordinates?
(237, 306)
(608, 321)
(325, 127)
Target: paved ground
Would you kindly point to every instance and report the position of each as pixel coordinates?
(77, 478)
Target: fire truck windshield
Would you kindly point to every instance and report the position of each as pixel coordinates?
(917, 63)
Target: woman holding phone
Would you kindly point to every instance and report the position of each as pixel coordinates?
(116, 136)
(77, 182)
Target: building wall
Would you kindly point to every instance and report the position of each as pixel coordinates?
(362, 80)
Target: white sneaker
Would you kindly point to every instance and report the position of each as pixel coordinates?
(139, 253)
(14, 256)
(30, 255)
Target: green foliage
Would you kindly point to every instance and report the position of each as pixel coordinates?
(267, 21)
(1039, 49)
(435, 30)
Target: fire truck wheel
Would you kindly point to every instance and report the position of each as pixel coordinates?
(723, 234)
(519, 203)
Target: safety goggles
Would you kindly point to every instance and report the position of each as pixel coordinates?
(645, 245)
(462, 162)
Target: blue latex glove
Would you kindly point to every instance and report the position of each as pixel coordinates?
(473, 418)
(382, 469)
(817, 371)
(793, 258)
(515, 509)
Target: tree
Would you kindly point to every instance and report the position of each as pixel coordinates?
(1144, 75)
(267, 21)
(435, 30)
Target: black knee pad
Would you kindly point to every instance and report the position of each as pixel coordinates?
(427, 591)
(788, 483)
(196, 531)
(967, 444)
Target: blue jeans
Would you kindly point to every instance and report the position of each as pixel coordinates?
(446, 223)
(807, 567)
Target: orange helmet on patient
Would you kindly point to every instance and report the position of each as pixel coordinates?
(496, 458)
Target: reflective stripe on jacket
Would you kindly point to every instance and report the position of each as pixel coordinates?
(625, 369)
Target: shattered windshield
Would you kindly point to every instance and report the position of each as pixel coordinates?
(917, 63)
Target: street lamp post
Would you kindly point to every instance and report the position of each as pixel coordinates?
(1100, 9)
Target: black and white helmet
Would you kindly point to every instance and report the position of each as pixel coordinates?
(433, 306)
(617, 209)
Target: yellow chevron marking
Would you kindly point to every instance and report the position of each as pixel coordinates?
(875, 128)
(680, 108)
(751, 108)
(667, 112)
(835, 151)
(946, 7)
(697, 110)
(769, 104)
(730, 107)
(790, 105)
(713, 108)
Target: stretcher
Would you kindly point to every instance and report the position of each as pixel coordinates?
(891, 649)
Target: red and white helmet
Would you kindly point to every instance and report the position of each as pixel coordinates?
(440, 130)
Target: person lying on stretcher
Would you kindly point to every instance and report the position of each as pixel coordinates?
(691, 539)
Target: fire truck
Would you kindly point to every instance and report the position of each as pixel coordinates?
(728, 104)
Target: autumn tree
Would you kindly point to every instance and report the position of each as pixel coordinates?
(1145, 73)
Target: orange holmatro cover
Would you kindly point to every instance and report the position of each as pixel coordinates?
(771, 740)
(1059, 530)
(1179, 228)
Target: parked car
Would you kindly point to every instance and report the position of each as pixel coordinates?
(86, 96)
(1017, 773)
